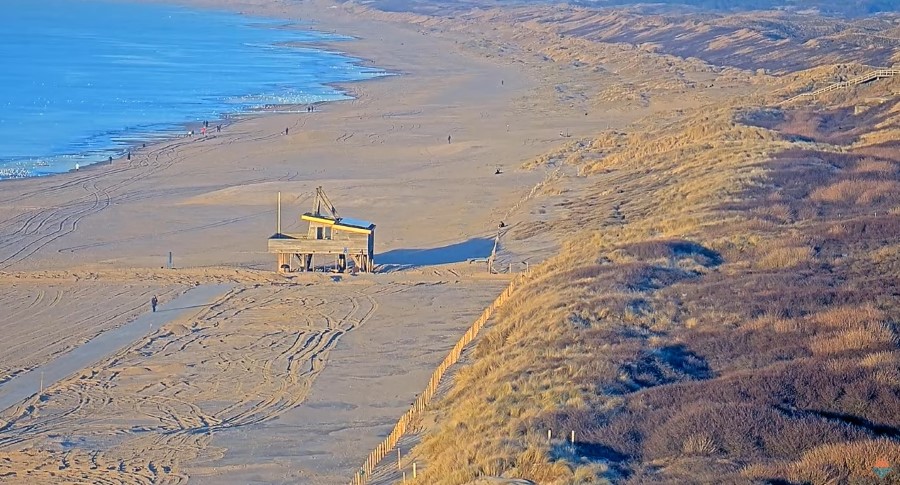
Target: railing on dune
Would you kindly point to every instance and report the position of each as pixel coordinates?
(865, 78)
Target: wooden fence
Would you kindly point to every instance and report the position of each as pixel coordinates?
(865, 78)
(362, 475)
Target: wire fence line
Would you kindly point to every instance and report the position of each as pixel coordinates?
(362, 475)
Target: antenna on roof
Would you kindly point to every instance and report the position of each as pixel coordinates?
(322, 199)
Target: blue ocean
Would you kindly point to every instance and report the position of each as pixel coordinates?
(82, 80)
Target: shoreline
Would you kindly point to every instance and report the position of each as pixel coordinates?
(395, 46)
(155, 139)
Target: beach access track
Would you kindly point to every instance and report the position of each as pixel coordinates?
(108, 343)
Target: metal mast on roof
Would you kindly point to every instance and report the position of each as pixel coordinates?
(322, 199)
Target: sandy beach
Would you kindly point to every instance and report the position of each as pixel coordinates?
(715, 293)
(289, 378)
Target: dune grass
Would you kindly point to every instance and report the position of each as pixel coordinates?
(732, 316)
(727, 309)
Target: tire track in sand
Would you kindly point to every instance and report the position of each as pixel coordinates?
(246, 360)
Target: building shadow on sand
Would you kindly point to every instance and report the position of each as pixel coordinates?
(473, 249)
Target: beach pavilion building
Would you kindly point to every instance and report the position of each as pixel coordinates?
(330, 241)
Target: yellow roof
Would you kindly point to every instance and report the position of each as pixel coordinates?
(320, 220)
(341, 224)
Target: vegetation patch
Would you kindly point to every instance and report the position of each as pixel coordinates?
(739, 325)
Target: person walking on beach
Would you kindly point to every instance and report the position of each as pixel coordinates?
(153, 303)
(448, 139)
(286, 131)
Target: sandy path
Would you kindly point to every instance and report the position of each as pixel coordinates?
(43, 319)
(205, 388)
(27, 384)
(369, 380)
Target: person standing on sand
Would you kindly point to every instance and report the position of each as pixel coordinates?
(448, 139)
(153, 303)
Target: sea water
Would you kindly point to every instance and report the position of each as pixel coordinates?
(82, 80)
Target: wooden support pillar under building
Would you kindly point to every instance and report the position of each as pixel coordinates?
(284, 262)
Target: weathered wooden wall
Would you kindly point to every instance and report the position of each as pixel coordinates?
(354, 245)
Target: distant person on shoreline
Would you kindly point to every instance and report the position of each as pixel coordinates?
(203, 131)
(286, 131)
(448, 139)
(218, 128)
(110, 160)
(153, 303)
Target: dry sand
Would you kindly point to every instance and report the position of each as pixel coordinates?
(288, 379)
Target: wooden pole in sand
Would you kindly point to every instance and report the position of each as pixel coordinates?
(398, 459)
(278, 231)
(414, 470)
